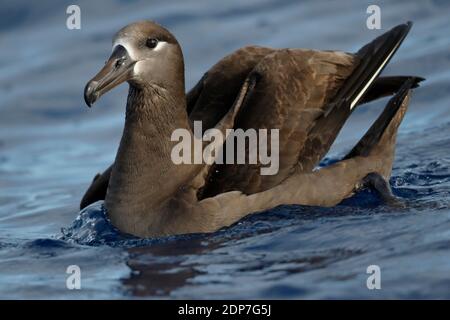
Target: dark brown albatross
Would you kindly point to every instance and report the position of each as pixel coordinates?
(306, 94)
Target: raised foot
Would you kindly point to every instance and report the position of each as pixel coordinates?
(378, 183)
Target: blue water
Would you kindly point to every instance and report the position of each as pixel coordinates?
(51, 146)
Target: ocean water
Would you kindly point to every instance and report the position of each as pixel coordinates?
(51, 146)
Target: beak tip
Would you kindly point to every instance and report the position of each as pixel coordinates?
(90, 93)
(88, 102)
(111, 75)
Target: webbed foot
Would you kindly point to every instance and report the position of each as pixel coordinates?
(378, 183)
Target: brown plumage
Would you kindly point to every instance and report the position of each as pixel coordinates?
(306, 94)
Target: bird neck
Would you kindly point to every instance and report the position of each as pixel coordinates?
(144, 176)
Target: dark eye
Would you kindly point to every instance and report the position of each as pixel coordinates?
(151, 43)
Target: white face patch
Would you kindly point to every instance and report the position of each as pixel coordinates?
(127, 45)
(137, 67)
(132, 51)
(160, 45)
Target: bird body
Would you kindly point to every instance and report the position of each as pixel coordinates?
(306, 94)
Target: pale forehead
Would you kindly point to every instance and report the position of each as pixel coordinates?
(144, 29)
(128, 43)
(133, 50)
(130, 36)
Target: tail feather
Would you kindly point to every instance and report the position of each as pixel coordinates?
(373, 58)
(386, 86)
(381, 134)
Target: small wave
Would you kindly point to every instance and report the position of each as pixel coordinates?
(47, 243)
(92, 227)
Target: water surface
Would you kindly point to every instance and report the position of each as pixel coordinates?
(51, 146)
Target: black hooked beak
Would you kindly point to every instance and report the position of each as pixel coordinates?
(117, 69)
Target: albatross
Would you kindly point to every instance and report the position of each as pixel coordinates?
(306, 94)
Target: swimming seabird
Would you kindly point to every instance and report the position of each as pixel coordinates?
(307, 94)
